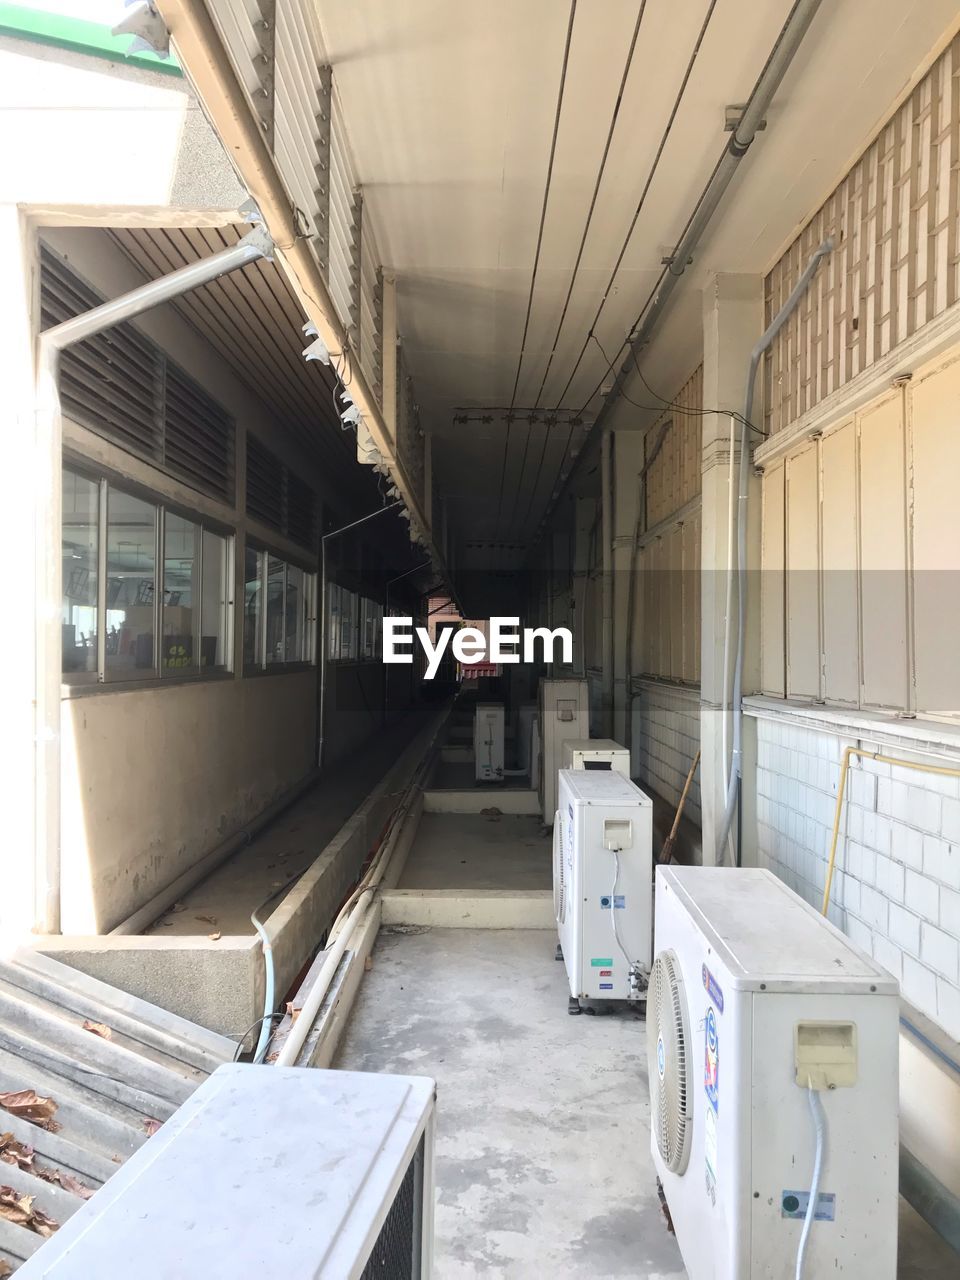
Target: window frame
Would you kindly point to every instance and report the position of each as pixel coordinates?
(153, 676)
(262, 665)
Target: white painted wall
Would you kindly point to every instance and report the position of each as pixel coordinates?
(154, 778)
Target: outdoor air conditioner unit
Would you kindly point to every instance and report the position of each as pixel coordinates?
(753, 998)
(596, 753)
(603, 885)
(564, 713)
(488, 731)
(284, 1173)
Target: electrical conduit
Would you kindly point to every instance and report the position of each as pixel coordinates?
(738, 570)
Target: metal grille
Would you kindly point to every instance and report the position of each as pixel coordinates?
(279, 498)
(264, 484)
(112, 382)
(198, 435)
(121, 385)
(396, 1253)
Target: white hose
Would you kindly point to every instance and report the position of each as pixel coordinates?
(613, 907)
(820, 1127)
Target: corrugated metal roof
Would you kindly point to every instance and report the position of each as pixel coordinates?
(87, 1074)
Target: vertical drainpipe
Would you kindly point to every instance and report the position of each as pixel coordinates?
(606, 533)
(255, 244)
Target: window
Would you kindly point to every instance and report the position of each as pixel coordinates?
(131, 571)
(355, 625)
(81, 552)
(278, 613)
(111, 627)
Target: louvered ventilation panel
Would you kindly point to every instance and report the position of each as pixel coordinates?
(121, 385)
(301, 512)
(198, 439)
(110, 383)
(264, 484)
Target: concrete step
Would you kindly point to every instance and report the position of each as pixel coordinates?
(475, 800)
(470, 908)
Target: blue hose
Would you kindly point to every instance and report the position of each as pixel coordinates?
(269, 995)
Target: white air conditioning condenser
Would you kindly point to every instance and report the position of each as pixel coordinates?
(773, 1062)
(603, 885)
(596, 753)
(284, 1173)
(488, 735)
(564, 713)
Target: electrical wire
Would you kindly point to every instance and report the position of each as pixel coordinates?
(671, 120)
(820, 1130)
(536, 259)
(613, 910)
(628, 62)
(252, 1027)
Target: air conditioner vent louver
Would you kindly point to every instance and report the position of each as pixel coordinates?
(668, 1063)
(264, 484)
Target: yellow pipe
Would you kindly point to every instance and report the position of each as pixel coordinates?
(844, 769)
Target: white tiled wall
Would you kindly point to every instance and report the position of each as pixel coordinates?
(896, 890)
(666, 737)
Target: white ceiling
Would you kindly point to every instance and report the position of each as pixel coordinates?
(450, 110)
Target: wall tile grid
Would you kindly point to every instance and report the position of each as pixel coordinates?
(896, 887)
(666, 737)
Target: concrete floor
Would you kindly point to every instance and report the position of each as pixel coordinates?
(457, 775)
(286, 848)
(479, 851)
(543, 1167)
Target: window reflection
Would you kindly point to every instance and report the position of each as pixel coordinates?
(131, 574)
(80, 543)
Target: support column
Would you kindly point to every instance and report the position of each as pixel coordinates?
(732, 323)
(628, 452)
(22, 529)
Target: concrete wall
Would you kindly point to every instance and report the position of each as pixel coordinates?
(666, 737)
(155, 778)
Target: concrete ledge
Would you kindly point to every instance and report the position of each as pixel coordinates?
(220, 984)
(506, 799)
(216, 984)
(470, 908)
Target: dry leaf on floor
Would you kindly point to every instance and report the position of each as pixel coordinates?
(74, 1185)
(150, 1127)
(19, 1210)
(29, 1105)
(368, 964)
(5, 1269)
(293, 1010)
(206, 919)
(98, 1029)
(214, 937)
(178, 906)
(17, 1153)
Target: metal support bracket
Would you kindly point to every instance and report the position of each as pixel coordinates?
(266, 30)
(733, 114)
(322, 167)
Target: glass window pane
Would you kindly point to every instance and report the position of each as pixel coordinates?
(131, 574)
(181, 567)
(295, 601)
(333, 621)
(252, 605)
(81, 541)
(275, 578)
(215, 605)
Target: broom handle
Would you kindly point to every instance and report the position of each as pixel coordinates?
(683, 797)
